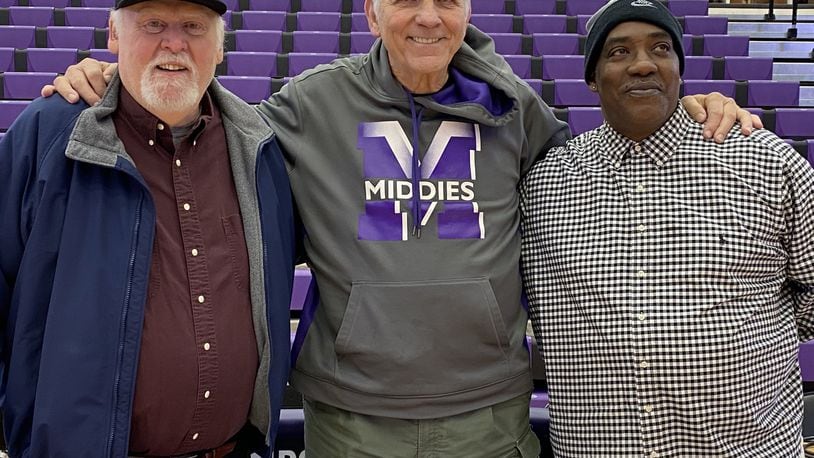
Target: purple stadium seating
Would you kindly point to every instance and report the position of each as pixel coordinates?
(231, 5)
(359, 6)
(360, 42)
(39, 16)
(544, 23)
(6, 59)
(539, 398)
(264, 20)
(53, 3)
(574, 93)
(773, 93)
(563, 67)
(302, 278)
(687, 42)
(9, 110)
(582, 24)
(493, 23)
(358, 23)
(555, 43)
(726, 45)
(725, 87)
(87, 16)
(316, 41)
(227, 20)
(298, 62)
(810, 159)
(583, 119)
(748, 68)
(508, 43)
(574, 8)
(688, 7)
(25, 85)
(251, 63)
(334, 6)
(50, 59)
(258, 40)
(705, 25)
(69, 37)
(252, 89)
(536, 84)
(523, 7)
(319, 20)
(99, 3)
(521, 64)
(269, 5)
(103, 54)
(7, 3)
(795, 122)
(698, 68)
(487, 7)
(17, 36)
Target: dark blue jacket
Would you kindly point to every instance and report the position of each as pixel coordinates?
(76, 236)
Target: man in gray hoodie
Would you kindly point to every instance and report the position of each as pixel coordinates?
(404, 164)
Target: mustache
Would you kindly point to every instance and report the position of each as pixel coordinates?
(642, 84)
(181, 59)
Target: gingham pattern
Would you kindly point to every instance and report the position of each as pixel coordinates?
(668, 281)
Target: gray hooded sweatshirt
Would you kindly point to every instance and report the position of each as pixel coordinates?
(418, 312)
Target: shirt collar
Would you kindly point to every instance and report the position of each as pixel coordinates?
(144, 121)
(659, 146)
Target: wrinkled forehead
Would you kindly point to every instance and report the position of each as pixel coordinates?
(179, 8)
(630, 31)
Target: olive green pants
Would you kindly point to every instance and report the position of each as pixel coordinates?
(498, 431)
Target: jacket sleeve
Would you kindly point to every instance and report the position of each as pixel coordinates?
(543, 131)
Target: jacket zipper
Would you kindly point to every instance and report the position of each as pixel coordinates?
(260, 149)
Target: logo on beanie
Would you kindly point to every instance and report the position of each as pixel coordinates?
(642, 3)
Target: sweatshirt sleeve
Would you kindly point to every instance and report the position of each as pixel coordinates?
(543, 131)
(284, 112)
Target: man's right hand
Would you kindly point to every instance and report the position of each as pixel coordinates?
(86, 80)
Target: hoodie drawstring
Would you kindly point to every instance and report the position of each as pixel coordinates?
(415, 180)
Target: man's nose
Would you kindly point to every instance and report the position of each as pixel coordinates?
(174, 39)
(427, 14)
(643, 64)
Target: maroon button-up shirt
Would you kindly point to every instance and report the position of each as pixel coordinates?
(198, 358)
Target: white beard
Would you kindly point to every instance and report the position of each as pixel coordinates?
(170, 94)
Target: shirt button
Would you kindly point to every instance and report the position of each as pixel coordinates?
(641, 274)
(638, 148)
(654, 454)
(151, 142)
(206, 346)
(648, 408)
(194, 142)
(644, 365)
(187, 207)
(641, 316)
(195, 436)
(178, 162)
(642, 228)
(160, 126)
(206, 394)
(640, 188)
(659, 163)
(201, 299)
(194, 252)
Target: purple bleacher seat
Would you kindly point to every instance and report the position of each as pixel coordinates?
(298, 62)
(769, 93)
(319, 20)
(705, 25)
(50, 59)
(536, 84)
(563, 67)
(258, 40)
(25, 85)
(545, 23)
(227, 20)
(726, 45)
(725, 87)
(810, 143)
(521, 64)
(252, 89)
(574, 8)
(688, 7)
(69, 37)
(7, 3)
(523, 7)
(360, 42)
(17, 36)
(508, 43)
(302, 278)
(103, 54)
(574, 93)
(6, 59)
(582, 24)
(264, 20)
(39, 16)
(334, 6)
(698, 68)
(487, 7)
(748, 68)
(358, 23)
(87, 16)
(556, 44)
(583, 119)
(315, 41)
(53, 3)
(269, 5)
(240, 63)
(794, 122)
(539, 398)
(9, 110)
(493, 23)
(806, 349)
(99, 3)
(231, 5)
(686, 40)
(358, 6)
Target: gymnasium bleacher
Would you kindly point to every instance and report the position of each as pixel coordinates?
(730, 48)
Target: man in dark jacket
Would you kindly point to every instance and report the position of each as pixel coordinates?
(144, 282)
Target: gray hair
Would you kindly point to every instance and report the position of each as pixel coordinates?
(377, 5)
(220, 25)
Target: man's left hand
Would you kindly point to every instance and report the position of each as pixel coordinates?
(719, 114)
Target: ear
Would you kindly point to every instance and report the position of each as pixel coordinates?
(112, 37)
(220, 54)
(372, 20)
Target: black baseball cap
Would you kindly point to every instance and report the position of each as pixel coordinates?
(214, 5)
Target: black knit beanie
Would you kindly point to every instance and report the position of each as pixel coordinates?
(616, 12)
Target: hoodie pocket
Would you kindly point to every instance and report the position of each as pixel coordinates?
(421, 338)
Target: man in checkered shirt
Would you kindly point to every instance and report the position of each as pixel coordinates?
(670, 278)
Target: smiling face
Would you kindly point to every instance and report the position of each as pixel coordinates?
(167, 52)
(420, 36)
(637, 78)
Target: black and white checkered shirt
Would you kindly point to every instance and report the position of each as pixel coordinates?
(670, 281)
